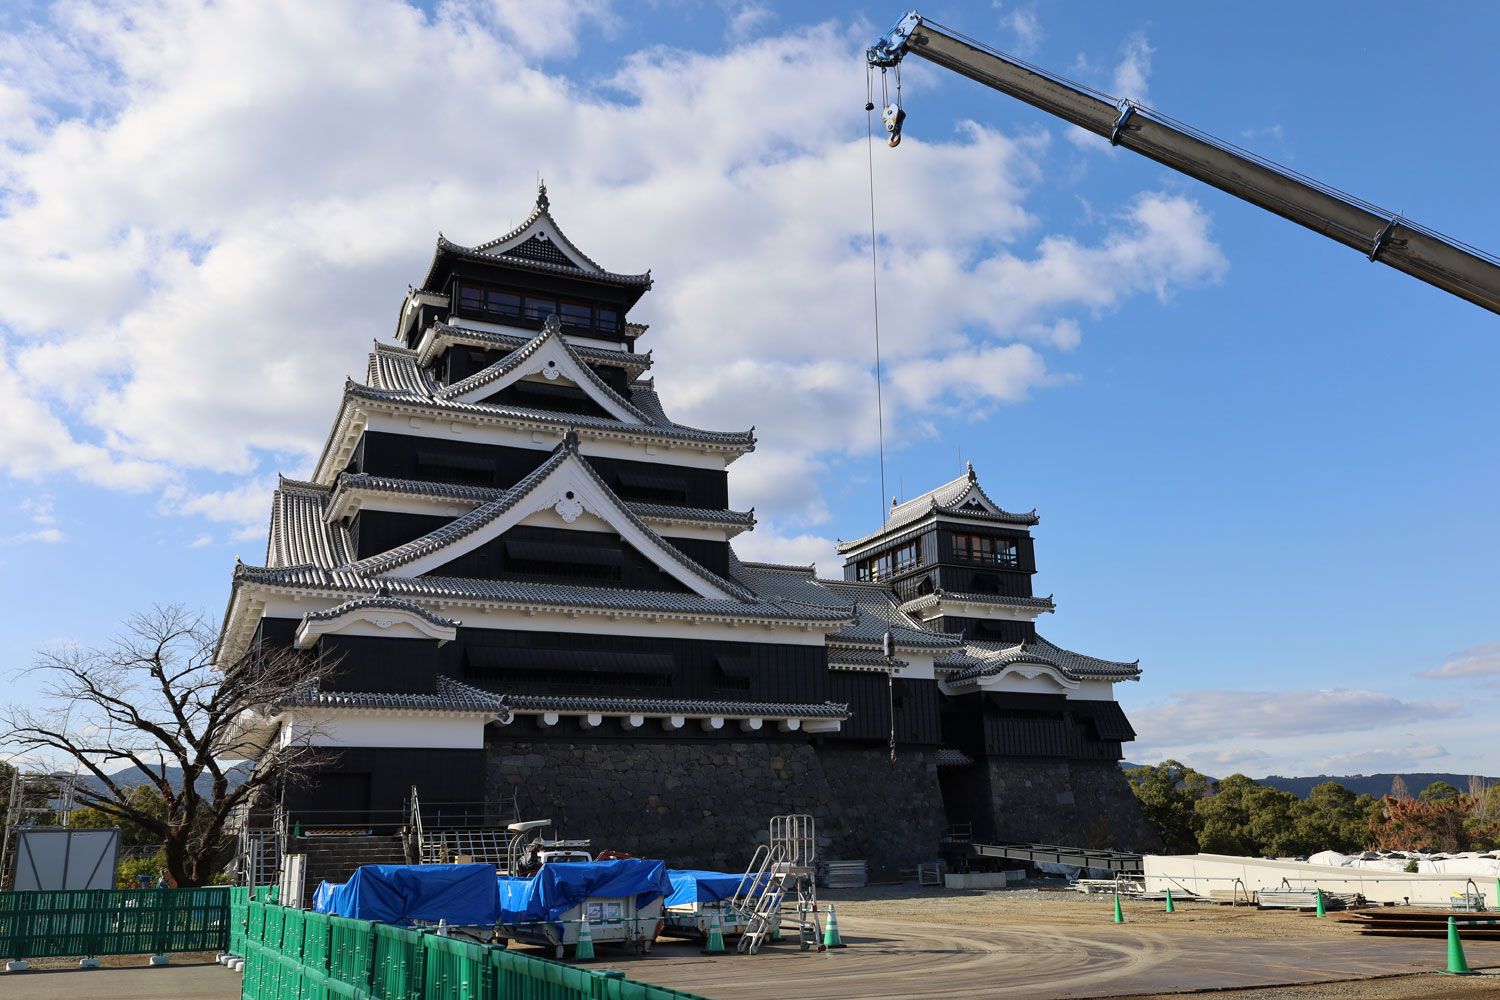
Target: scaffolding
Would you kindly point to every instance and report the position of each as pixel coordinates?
(36, 799)
(779, 889)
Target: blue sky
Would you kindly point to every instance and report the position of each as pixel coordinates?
(1264, 466)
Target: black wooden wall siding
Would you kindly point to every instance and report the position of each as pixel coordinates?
(369, 785)
(604, 665)
(916, 704)
(402, 456)
(1034, 725)
(380, 664)
(986, 629)
(555, 398)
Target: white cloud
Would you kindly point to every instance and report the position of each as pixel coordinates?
(1192, 718)
(171, 319)
(1476, 661)
(1375, 760)
(745, 19)
(44, 535)
(549, 27)
(1025, 28)
(201, 541)
(1133, 71)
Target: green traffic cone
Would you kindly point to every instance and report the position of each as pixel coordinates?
(1322, 910)
(831, 937)
(1119, 913)
(715, 936)
(1170, 907)
(583, 951)
(1457, 964)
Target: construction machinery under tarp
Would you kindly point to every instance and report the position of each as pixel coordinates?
(698, 899)
(619, 902)
(462, 895)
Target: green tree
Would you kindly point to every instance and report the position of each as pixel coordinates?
(1168, 793)
(1332, 818)
(1438, 791)
(142, 800)
(1245, 818)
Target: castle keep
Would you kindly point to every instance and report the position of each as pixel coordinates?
(526, 572)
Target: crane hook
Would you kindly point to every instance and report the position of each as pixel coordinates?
(894, 116)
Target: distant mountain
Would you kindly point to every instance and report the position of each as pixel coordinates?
(1360, 784)
(1367, 784)
(132, 776)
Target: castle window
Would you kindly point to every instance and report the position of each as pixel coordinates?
(889, 564)
(986, 549)
(540, 309)
(574, 314)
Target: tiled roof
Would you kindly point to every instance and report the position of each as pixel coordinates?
(674, 706)
(963, 497)
(357, 481)
(384, 603)
(847, 656)
(524, 594)
(981, 659)
(526, 256)
(451, 696)
(551, 331)
(999, 600)
(873, 606)
(427, 400)
(948, 757)
(489, 339)
(298, 532)
(477, 518)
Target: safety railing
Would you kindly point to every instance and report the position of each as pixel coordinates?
(299, 953)
(89, 922)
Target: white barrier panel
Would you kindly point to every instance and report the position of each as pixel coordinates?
(1200, 873)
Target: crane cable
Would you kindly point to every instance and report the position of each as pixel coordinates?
(875, 279)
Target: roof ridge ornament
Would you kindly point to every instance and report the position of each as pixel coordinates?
(542, 201)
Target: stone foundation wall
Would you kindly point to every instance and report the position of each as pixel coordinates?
(1075, 803)
(706, 805)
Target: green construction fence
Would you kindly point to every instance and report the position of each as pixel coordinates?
(300, 955)
(39, 924)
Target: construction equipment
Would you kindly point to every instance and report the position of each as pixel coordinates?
(779, 886)
(1381, 235)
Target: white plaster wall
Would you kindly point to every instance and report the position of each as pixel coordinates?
(385, 729)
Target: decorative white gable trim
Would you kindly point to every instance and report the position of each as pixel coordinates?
(543, 226)
(384, 622)
(569, 490)
(550, 361)
(1023, 677)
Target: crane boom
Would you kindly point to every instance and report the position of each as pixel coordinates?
(1382, 236)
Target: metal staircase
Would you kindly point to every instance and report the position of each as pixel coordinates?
(779, 887)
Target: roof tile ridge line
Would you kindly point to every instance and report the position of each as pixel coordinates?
(811, 569)
(394, 350)
(1072, 652)
(929, 494)
(975, 485)
(552, 329)
(728, 586)
(441, 327)
(461, 526)
(379, 600)
(543, 210)
(403, 397)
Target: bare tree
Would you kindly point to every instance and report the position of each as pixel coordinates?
(1399, 791)
(156, 699)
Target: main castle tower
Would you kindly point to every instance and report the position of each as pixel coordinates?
(523, 568)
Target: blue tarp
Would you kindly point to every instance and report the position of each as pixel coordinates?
(558, 887)
(323, 896)
(691, 886)
(399, 894)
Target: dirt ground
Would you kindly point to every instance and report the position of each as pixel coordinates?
(907, 943)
